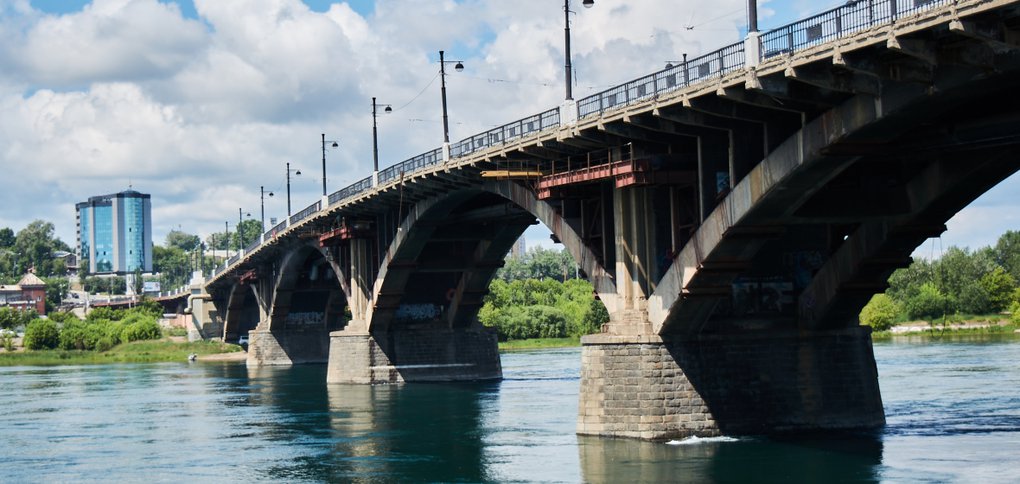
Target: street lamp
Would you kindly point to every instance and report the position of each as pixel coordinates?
(296, 173)
(458, 66)
(566, 37)
(375, 140)
(335, 145)
(262, 200)
(240, 231)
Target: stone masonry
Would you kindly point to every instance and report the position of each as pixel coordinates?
(653, 388)
(413, 355)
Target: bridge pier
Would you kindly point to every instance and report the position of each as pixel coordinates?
(287, 346)
(651, 387)
(413, 355)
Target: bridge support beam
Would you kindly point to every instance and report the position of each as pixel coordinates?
(418, 355)
(287, 346)
(649, 387)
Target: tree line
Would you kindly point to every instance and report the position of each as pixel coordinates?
(538, 296)
(958, 284)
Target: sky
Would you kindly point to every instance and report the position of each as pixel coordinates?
(202, 102)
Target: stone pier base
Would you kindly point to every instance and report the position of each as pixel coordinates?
(413, 356)
(287, 346)
(652, 388)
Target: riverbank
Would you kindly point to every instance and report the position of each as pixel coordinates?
(539, 343)
(921, 328)
(162, 350)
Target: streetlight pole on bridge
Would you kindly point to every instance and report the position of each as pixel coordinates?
(458, 66)
(296, 173)
(375, 141)
(568, 110)
(335, 144)
(262, 201)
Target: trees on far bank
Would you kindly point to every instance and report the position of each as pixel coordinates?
(962, 281)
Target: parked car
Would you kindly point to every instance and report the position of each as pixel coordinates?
(243, 341)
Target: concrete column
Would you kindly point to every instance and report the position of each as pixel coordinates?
(636, 262)
(361, 280)
(420, 355)
(648, 387)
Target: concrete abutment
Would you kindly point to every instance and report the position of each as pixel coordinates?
(650, 387)
(413, 355)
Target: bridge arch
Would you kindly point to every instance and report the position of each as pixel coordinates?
(309, 291)
(245, 309)
(449, 246)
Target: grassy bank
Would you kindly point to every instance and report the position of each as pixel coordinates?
(938, 331)
(539, 343)
(135, 352)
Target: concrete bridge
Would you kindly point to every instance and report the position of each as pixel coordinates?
(734, 213)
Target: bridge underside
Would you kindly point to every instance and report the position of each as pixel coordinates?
(733, 231)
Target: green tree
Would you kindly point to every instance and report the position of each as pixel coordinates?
(35, 246)
(250, 231)
(928, 304)
(219, 241)
(181, 240)
(1007, 253)
(880, 312)
(173, 265)
(56, 291)
(41, 334)
(9, 318)
(6, 238)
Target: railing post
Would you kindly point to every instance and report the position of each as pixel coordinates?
(839, 23)
(892, 9)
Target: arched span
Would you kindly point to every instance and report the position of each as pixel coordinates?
(310, 290)
(448, 248)
(245, 310)
(919, 156)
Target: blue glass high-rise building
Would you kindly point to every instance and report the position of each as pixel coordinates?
(115, 233)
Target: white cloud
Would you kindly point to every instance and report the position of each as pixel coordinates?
(200, 113)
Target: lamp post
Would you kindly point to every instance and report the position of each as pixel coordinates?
(226, 233)
(458, 66)
(335, 145)
(296, 173)
(262, 200)
(375, 141)
(566, 38)
(240, 231)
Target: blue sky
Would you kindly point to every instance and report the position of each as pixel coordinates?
(203, 102)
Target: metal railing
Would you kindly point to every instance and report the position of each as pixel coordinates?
(506, 133)
(297, 217)
(854, 16)
(711, 65)
(277, 228)
(414, 164)
(350, 190)
(255, 243)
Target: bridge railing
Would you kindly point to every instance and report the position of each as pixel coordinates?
(276, 229)
(854, 16)
(350, 190)
(711, 65)
(412, 165)
(297, 217)
(506, 133)
(255, 243)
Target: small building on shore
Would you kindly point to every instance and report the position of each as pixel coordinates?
(28, 293)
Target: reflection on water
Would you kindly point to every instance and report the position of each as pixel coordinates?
(953, 410)
(837, 458)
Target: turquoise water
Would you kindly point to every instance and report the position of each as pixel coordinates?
(953, 411)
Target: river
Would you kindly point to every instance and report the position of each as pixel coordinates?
(953, 410)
